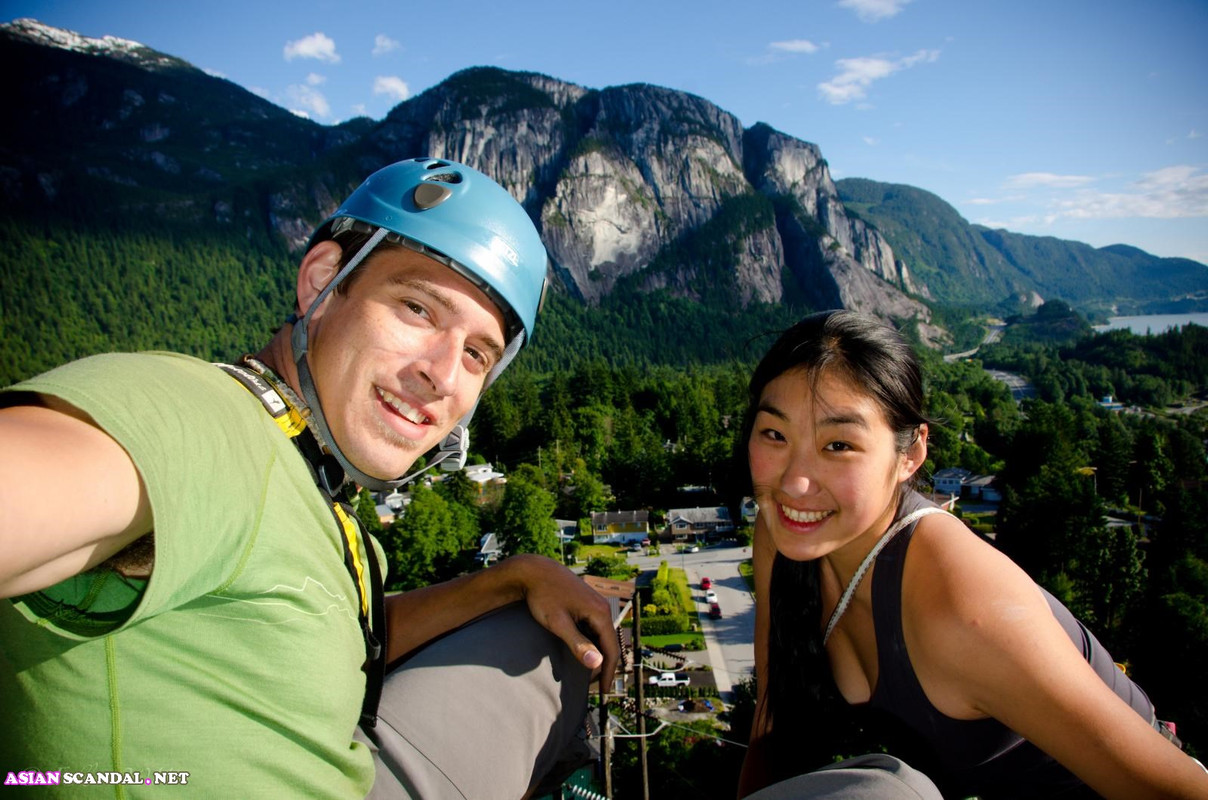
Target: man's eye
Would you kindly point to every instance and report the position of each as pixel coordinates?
(415, 308)
(479, 357)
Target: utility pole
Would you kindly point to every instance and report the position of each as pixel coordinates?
(605, 741)
(641, 693)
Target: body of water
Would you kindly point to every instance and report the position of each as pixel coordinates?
(1153, 323)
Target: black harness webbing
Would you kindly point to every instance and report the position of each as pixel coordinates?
(329, 479)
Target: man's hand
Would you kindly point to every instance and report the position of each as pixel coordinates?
(571, 610)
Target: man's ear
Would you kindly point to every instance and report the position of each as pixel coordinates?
(318, 267)
(916, 453)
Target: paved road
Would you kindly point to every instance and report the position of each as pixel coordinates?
(993, 334)
(1019, 385)
(729, 641)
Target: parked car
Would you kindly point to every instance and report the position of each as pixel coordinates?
(705, 583)
(635, 548)
(693, 548)
(670, 679)
(710, 596)
(714, 611)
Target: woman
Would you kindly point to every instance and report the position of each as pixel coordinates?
(869, 599)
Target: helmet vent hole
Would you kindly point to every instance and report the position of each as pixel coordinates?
(444, 177)
(437, 164)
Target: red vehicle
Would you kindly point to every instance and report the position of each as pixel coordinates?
(714, 611)
(705, 583)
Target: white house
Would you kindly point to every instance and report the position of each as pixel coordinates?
(950, 480)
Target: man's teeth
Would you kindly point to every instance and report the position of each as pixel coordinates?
(805, 516)
(408, 412)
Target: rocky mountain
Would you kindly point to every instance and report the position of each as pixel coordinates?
(625, 183)
(635, 188)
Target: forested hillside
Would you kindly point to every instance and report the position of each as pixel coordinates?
(974, 266)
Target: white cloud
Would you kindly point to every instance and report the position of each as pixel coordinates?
(359, 110)
(857, 74)
(318, 46)
(1193, 134)
(1012, 224)
(1048, 180)
(213, 73)
(874, 10)
(383, 44)
(871, 141)
(1169, 193)
(391, 85)
(795, 46)
(1177, 192)
(306, 101)
(315, 79)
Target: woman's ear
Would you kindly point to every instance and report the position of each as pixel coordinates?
(916, 453)
(318, 267)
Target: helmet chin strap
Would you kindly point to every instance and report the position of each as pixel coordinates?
(450, 453)
(299, 341)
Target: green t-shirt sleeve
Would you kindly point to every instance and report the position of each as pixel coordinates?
(196, 438)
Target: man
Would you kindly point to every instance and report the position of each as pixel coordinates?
(204, 603)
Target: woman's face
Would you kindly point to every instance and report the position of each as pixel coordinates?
(824, 465)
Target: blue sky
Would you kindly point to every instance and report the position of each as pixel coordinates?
(1080, 119)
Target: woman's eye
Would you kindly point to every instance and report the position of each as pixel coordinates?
(837, 447)
(772, 434)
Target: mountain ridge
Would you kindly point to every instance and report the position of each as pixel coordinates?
(638, 190)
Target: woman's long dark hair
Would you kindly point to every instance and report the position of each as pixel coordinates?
(801, 692)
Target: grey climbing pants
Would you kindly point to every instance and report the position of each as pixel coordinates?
(871, 777)
(482, 713)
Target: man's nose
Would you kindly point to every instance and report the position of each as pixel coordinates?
(443, 365)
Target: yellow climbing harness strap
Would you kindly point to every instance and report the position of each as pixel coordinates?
(350, 534)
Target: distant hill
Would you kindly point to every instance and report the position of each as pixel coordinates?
(971, 265)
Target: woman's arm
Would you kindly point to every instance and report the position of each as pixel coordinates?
(755, 770)
(556, 597)
(984, 642)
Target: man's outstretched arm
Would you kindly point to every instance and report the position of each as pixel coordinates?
(556, 597)
(70, 497)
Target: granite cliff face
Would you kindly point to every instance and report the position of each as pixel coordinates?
(636, 187)
(658, 188)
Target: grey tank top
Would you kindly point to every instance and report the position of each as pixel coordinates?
(974, 756)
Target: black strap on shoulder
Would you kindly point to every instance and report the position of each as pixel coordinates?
(329, 479)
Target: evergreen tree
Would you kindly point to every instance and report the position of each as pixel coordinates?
(526, 517)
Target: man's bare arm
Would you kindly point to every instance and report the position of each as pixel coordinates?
(557, 598)
(70, 497)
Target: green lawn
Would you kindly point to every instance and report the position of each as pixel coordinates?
(589, 551)
(747, 570)
(691, 641)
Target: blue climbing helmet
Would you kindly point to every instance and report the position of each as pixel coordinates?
(461, 218)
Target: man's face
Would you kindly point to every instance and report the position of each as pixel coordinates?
(400, 357)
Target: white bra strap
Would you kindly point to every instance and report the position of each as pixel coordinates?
(845, 599)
